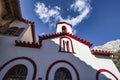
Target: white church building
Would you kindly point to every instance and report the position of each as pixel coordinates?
(58, 56)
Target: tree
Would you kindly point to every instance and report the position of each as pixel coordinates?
(116, 59)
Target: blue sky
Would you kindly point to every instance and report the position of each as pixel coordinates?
(97, 21)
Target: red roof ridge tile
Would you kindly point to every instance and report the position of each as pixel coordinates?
(27, 44)
(101, 52)
(48, 36)
(43, 37)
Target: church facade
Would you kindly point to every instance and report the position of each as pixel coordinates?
(57, 56)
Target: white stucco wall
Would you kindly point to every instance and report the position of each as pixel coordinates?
(80, 62)
(84, 62)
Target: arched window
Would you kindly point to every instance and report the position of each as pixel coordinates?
(62, 74)
(18, 72)
(66, 45)
(64, 29)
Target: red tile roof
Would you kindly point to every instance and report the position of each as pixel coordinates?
(68, 34)
(101, 52)
(49, 36)
(27, 44)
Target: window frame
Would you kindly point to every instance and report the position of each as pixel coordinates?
(63, 70)
(10, 75)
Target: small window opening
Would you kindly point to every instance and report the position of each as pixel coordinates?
(62, 74)
(18, 72)
(64, 29)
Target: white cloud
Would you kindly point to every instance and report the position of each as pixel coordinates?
(46, 13)
(78, 5)
(58, 8)
(79, 18)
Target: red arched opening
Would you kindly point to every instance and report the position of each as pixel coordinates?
(104, 70)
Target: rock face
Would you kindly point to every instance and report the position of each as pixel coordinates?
(111, 45)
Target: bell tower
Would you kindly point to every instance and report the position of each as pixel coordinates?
(63, 27)
(66, 44)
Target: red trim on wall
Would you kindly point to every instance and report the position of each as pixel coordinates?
(101, 52)
(61, 61)
(63, 46)
(25, 58)
(49, 36)
(68, 46)
(27, 44)
(44, 37)
(104, 70)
